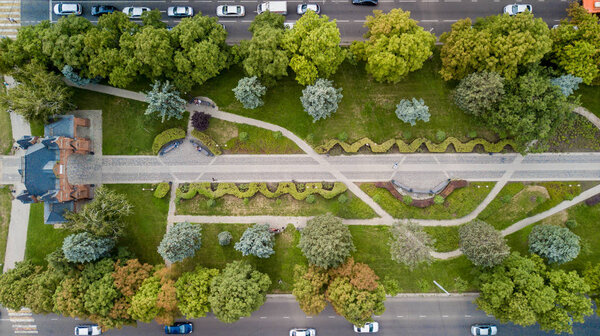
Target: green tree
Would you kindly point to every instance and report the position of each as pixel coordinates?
(68, 298)
(26, 48)
(164, 102)
(355, 305)
(314, 46)
(100, 296)
(154, 51)
(103, 216)
(479, 92)
(395, 45)
(592, 278)
(224, 238)
(237, 291)
(326, 242)
(410, 111)
(39, 94)
(482, 244)
(557, 244)
(249, 92)
(84, 247)
(498, 44)
(64, 42)
(143, 303)
(309, 288)
(257, 241)
(410, 245)
(523, 291)
(181, 241)
(193, 289)
(321, 99)
(153, 18)
(16, 284)
(40, 298)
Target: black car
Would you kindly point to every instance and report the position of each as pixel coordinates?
(101, 10)
(365, 2)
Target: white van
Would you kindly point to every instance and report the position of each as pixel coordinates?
(279, 7)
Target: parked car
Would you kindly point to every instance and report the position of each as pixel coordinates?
(180, 11)
(365, 2)
(135, 12)
(68, 9)
(368, 328)
(231, 11)
(179, 328)
(303, 332)
(302, 8)
(484, 329)
(88, 329)
(516, 9)
(103, 9)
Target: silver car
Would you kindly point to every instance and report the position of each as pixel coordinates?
(484, 329)
(368, 328)
(517, 8)
(67, 9)
(303, 8)
(135, 12)
(231, 11)
(180, 11)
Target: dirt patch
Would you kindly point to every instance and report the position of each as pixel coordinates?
(534, 189)
(557, 219)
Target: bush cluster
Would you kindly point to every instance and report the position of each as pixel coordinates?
(162, 189)
(165, 137)
(205, 189)
(207, 141)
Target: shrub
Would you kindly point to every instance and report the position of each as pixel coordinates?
(321, 99)
(224, 238)
(165, 137)
(392, 286)
(343, 136)
(326, 242)
(162, 189)
(557, 244)
(567, 83)
(200, 121)
(310, 199)
(342, 199)
(181, 241)
(256, 241)
(460, 285)
(72, 76)
(211, 202)
(424, 285)
(165, 101)
(246, 201)
(84, 247)
(410, 245)
(482, 244)
(479, 92)
(410, 111)
(243, 136)
(571, 223)
(205, 189)
(207, 141)
(472, 134)
(277, 135)
(438, 199)
(407, 135)
(407, 199)
(249, 92)
(440, 135)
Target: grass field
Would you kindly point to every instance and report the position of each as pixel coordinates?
(125, 128)
(367, 108)
(446, 237)
(284, 205)
(6, 138)
(590, 98)
(458, 204)
(5, 206)
(42, 239)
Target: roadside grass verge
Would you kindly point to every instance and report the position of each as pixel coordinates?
(5, 206)
(42, 239)
(6, 137)
(284, 205)
(459, 203)
(125, 128)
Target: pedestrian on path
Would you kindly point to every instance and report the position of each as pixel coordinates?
(396, 165)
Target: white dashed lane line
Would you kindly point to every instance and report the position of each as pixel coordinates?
(22, 321)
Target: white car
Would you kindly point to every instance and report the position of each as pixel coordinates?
(303, 332)
(135, 12)
(516, 9)
(88, 329)
(484, 329)
(303, 8)
(231, 11)
(67, 9)
(180, 11)
(368, 328)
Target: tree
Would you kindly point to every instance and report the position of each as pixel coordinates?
(557, 244)
(355, 305)
(395, 45)
(321, 99)
(309, 288)
(325, 241)
(257, 241)
(498, 44)
(410, 111)
(58, 263)
(165, 101)
(576, 44)
(314, 46)
(143, 303)
(40, 298)
(181, 241)
(153, 18)
(479, 92)
(84, 247)
(72, 76)
(523, 291)
(592, 278)
(103, 216)
(249, 92)
(130, 276)
(100, 297)
(153, 52)
(193, 289)
(200, 121)
(224, 238)
(410, 245)
(68, 298)
(567, 84)
(64, 42)
(237, 291)
(16, 284)
(482, 244)
(39, 95)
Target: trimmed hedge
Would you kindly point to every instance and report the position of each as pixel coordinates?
(205, 189)
(403, 147)
(207, 141)
(165, 137)
(162, 189)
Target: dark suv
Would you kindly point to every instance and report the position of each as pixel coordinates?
(101, 10)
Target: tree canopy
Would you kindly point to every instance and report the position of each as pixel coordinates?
(557, 244)
(181, 241)
(326, 242)
(193, 289)
(256, 241)
(479, 92)
(321, 99)
(482, 244)
(410, 245)
(164, 101)
(83, 247)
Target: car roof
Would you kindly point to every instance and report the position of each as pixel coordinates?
(69, 7)
(230, 9)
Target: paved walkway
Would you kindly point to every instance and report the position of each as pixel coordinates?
(589, 115)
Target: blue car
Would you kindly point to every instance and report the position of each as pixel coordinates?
(101, 10)
(179, 328)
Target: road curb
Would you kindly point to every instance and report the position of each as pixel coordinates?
(401, 295)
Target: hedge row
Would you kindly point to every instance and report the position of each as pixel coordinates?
(205, 189)
(166, 137)
(207, 141)
(463, 147)
(162, 189)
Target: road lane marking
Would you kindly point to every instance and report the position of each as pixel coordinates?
(467, 315)
(286, 317)
(359, 21)
(431, 0)
(263, 317)
(449, 20)
(407, 0)
(331, 316)
(309, 317)
(342, 21)
(429, 20)
(400, 316)
(25, 331)
(444, 315)
(422, 316)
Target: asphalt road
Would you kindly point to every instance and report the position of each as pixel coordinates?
(414, 316)
(432, 14)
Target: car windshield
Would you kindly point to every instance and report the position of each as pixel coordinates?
(515, 8)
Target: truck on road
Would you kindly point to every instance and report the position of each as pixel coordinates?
(279, 7)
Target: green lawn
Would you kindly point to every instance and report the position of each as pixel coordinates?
(125, 128)
(42, 239)
(279, 266)
(259, 141)
(285, 205)
(146, 227)
(6, 138)
(590, 98)
(446, 237)
(5, 206)
(459, 203)
(367, 108)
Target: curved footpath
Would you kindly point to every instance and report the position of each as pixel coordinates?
(385, 218)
